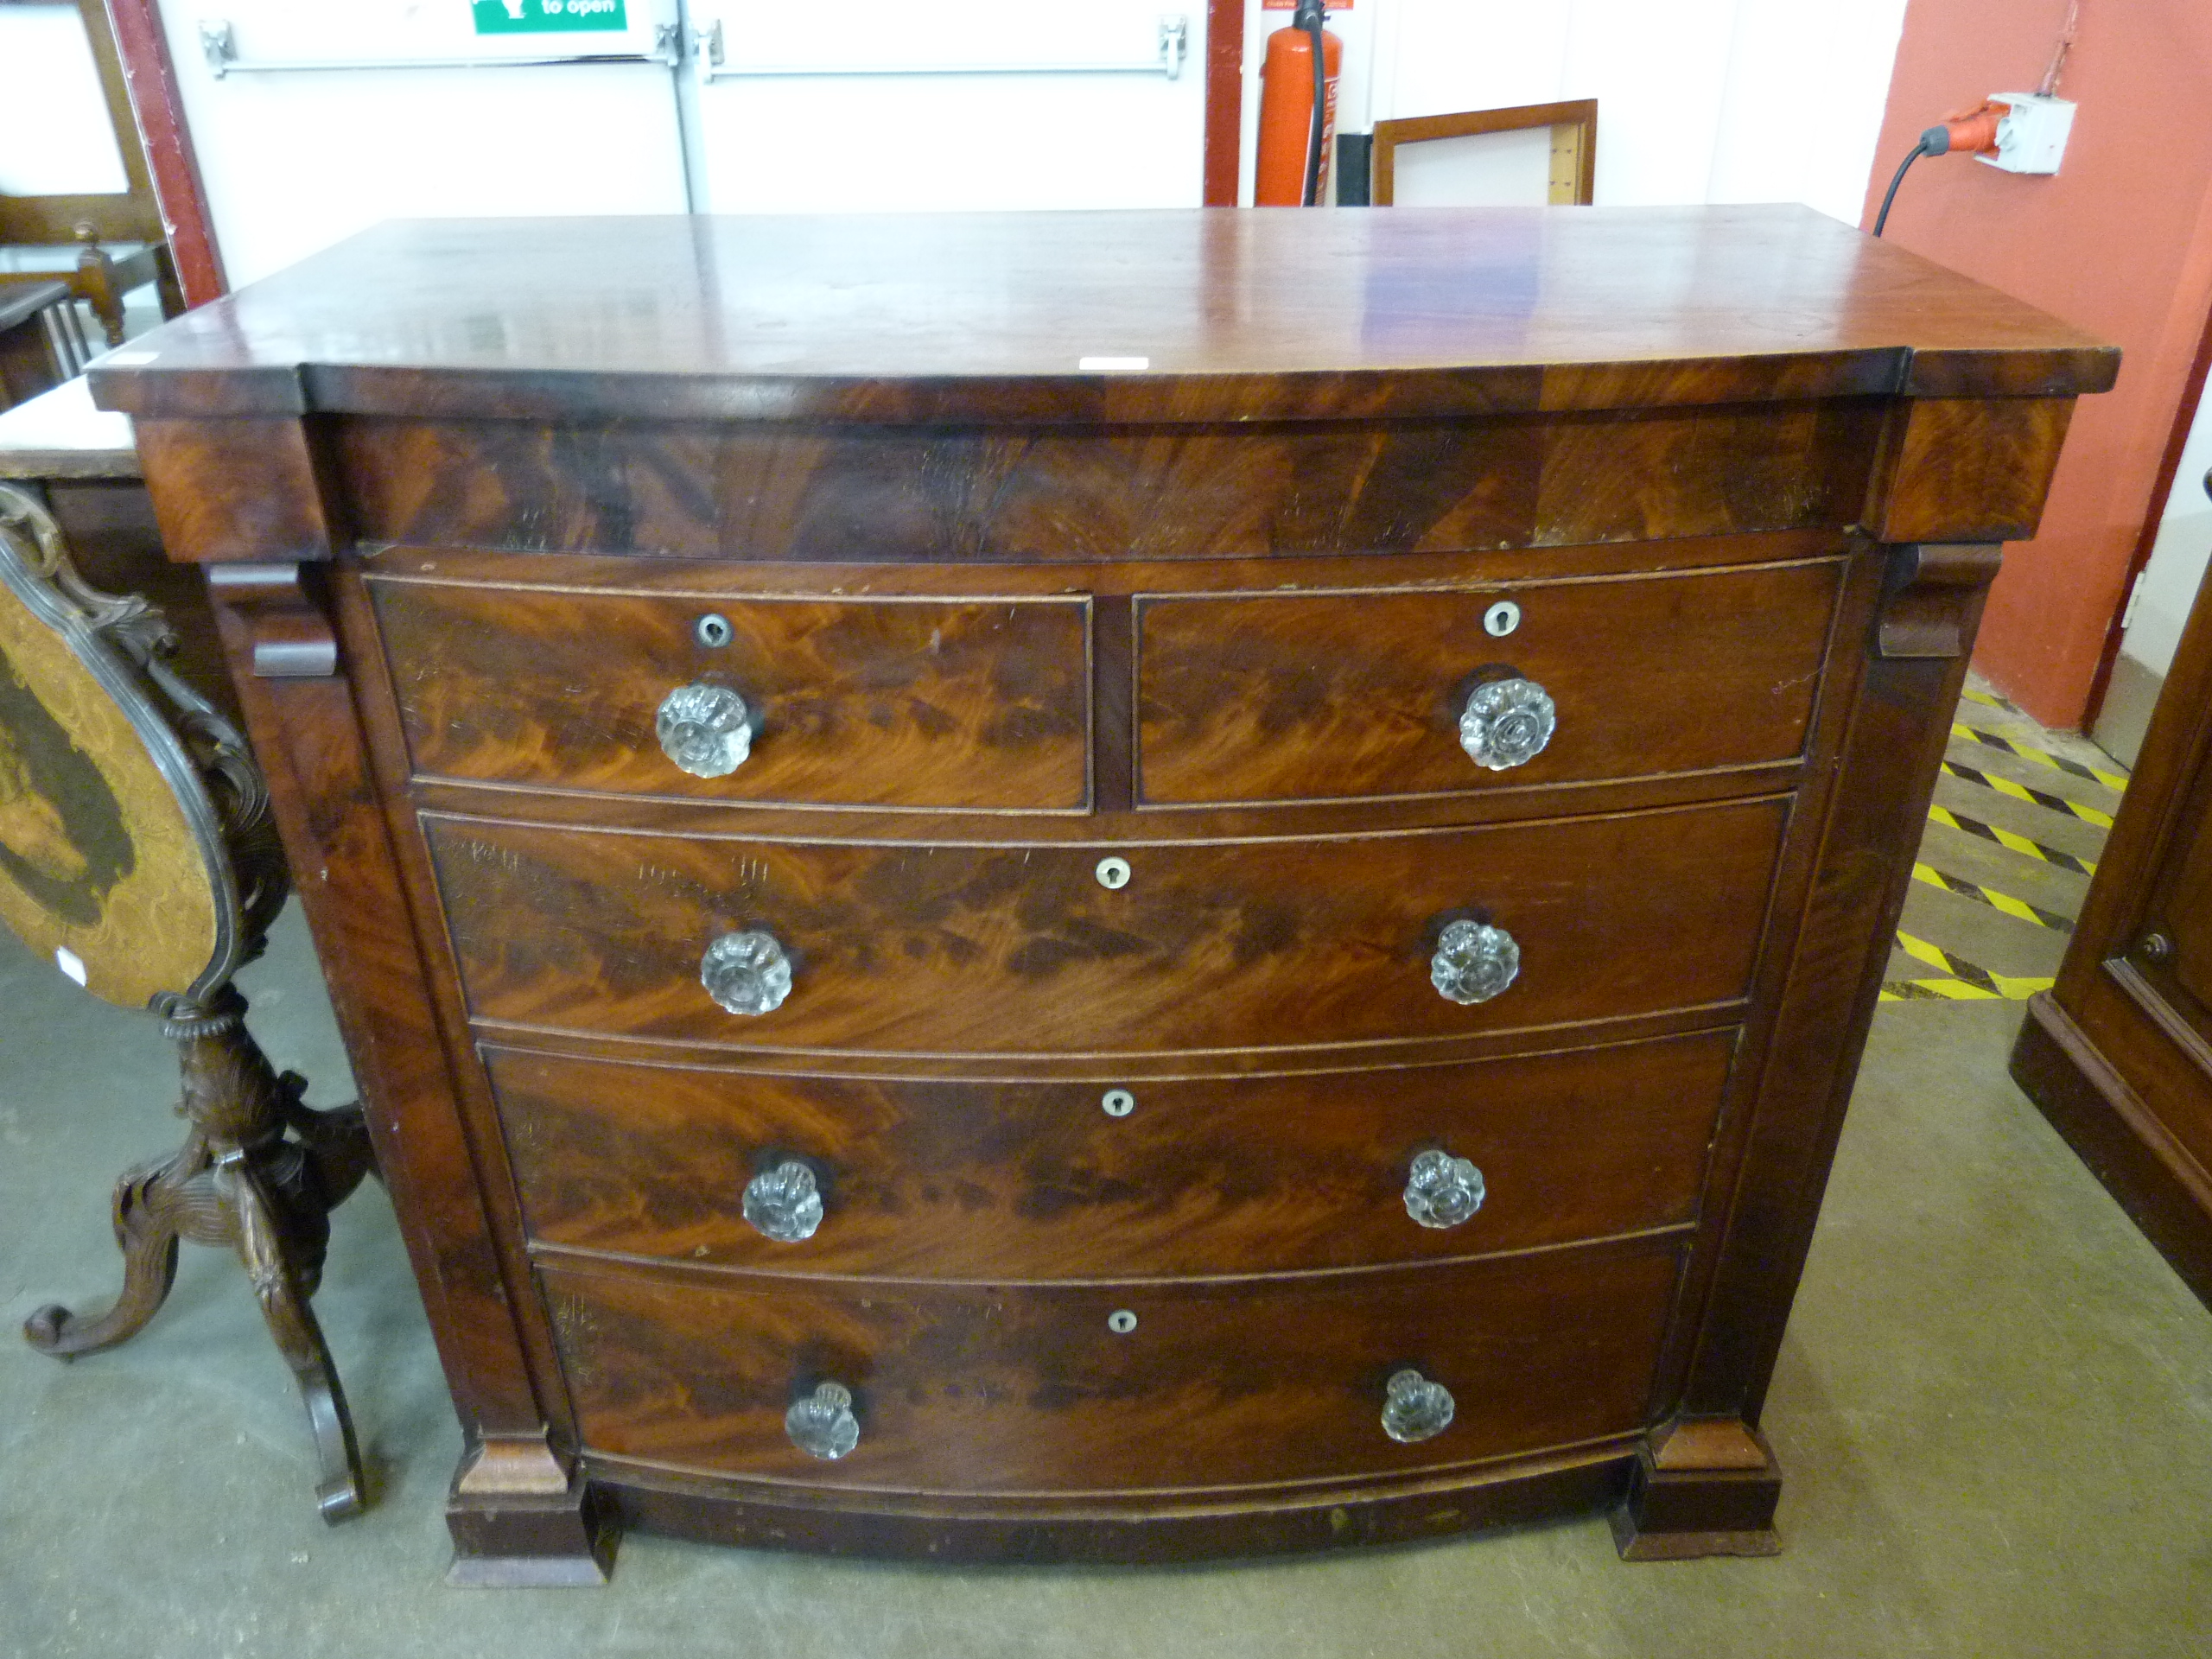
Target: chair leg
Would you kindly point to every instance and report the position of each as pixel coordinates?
(95, 281)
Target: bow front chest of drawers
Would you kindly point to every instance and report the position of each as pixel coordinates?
(1105, 886)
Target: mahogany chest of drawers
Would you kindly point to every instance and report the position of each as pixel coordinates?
(1103, 887)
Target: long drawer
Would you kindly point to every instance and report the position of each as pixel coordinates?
(931, 703)
(1105, 1387)
(1071, 949)
(1273, 695)
(942, 1179)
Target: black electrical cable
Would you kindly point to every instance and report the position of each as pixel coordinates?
(1310, 16)
(1936, 140)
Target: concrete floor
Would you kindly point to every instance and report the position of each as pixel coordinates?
(1994, 1410)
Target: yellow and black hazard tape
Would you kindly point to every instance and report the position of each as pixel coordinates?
(1987, 700)
(1961, 981)
(2011, 841)
(2004, 903)
(2019, 751)
(2033, 796)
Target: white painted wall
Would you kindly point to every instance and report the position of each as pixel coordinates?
(293, 162)
(1720, 100)
(778, 143)
(55, 139)
(1698, 100)
(2179, 557)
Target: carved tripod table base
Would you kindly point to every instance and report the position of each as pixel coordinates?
(258, 1172)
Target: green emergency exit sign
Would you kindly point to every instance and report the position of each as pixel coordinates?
(550, 16)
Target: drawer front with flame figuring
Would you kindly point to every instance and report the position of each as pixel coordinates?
(1053, 949)
(1107, 1386)
(1265, 696)
(943, 1179)
(831, 702)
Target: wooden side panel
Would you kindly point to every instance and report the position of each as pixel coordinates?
(945, 1180)
(2128, 1145)
(885, 702)
(1013, 948)
(2119, 1055)
(2167, 970)
(1006, 1389)
(309, 742)
(1877, 807)
(236, 490)
(786, 492)
(1285, 696)
(1970, 469)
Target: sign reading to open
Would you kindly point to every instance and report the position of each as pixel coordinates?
(550, 16)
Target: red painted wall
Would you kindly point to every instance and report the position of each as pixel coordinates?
(2119, 243)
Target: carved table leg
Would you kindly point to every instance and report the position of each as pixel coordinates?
(267, 1231)
(146, 1232)
(241, 1182)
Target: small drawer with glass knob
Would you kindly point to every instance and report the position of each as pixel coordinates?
(1273, 697)
(804, 701)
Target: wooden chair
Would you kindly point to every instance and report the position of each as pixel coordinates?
(42, 339)
(103, 246)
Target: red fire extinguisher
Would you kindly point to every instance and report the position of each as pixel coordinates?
(1298, 109)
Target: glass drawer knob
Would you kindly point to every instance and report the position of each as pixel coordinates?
(1473, 961)
(822, 1425)
(1442, 1191)
(706, 729)
(1414, 1408)
(1506, 723)
(785, 1203)
(747, 972)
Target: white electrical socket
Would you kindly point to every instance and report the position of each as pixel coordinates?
(2031, 133)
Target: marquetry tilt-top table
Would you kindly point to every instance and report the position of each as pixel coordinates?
(136, 855)
(1103, 885)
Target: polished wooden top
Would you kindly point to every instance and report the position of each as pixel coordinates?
(1209, 315)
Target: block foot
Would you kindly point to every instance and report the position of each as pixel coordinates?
(519, 1521)
(1701, 1487)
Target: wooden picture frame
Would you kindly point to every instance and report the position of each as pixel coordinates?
(1574, 143)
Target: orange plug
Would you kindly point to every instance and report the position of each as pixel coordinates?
(1971, 132)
